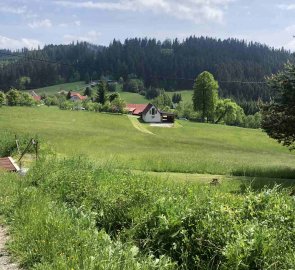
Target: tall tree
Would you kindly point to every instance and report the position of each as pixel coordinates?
(101, 92)
(278, 117)
(205, 95)
(2, 98)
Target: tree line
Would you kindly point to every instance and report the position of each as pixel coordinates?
(171, 64)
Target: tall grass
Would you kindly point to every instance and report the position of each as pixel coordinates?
(195, 226)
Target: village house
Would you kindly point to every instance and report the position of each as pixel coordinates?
(149, 113)
(77, 97)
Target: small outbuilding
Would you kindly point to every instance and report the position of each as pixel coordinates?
(8, 164)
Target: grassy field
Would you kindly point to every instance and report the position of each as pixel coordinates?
(127, 96)
(189, 148)
(51, 90)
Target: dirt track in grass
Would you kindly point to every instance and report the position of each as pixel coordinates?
(5, 259)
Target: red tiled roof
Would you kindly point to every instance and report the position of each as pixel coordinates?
(37, 98)
(7, 164)
(74, 94)
(136, 109)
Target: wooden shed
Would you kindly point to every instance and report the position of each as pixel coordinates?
(8, 164)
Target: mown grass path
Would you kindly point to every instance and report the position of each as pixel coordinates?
(5, 260)
(138, 125)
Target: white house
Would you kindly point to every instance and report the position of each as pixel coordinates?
(151, 114)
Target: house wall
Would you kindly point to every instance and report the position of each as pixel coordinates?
(74, 98)
(149, 118)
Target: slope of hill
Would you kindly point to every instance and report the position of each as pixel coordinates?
(192, 148)
(169, 64)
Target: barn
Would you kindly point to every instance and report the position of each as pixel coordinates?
(149, 113)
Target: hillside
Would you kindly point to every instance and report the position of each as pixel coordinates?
(189, 147)
(170, 64)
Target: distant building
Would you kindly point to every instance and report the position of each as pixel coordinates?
(35, 96)
(149, 113)
(77, 97)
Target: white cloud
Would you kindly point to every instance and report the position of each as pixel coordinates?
(287, 7)
(77, 23)
(46, 23)
(91, 36)
(12, 9)
(193, 10)
(13, 44)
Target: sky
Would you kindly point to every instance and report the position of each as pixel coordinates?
(33, 23)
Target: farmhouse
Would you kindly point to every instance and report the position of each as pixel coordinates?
(149, 113)
(76, 97)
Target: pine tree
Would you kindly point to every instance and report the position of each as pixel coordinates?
(101, 92)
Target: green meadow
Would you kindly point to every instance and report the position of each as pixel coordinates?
(125, 143)
(127, 96)
(51, 90)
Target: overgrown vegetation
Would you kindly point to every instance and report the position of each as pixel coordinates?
(71, 214)
(8, 145)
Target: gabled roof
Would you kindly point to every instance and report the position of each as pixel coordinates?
(75, 94)
(147, 108)
(136, 109)
(8, 164)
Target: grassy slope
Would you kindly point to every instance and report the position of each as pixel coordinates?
(128, 97)
(195, 148)
(50, 90)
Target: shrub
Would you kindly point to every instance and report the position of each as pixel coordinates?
(8, 145)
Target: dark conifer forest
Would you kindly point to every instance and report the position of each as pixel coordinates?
(171, 65)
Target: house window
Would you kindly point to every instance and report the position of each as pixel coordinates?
(153, 111)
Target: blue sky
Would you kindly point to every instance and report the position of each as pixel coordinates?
(29, 23)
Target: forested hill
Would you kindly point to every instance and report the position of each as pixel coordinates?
(169, 64)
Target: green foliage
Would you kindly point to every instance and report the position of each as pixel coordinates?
(176, 98)
(228, 111)
(88, 91)
(253, 121)
(26, 99)
(48, 235)
(118, 105)
(133, 85)
(278, 117)
(113, 96)
(69, 95)
(195, 226)
(13, 97)
(205, 95)
(162, 101)
(8, 145)
(51, 101)
(2, 99)
(23, 82)
(114, 87)
(152, 92)
(101, 93)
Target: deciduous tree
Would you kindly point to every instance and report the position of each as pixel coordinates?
(278, 117)
(205, 95)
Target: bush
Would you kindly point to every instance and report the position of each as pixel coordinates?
(8, 145)
(198, 227)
